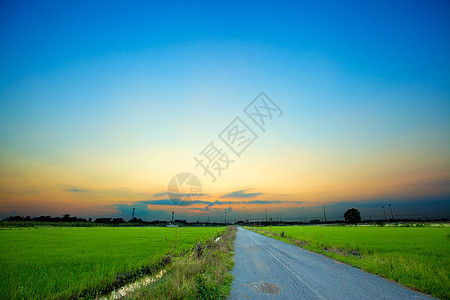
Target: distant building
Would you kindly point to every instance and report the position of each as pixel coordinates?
(315, 221)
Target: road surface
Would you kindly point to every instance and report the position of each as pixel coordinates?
(266, 268)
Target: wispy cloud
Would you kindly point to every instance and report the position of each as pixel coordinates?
(160, 194)
(241, 194)
(76, 191)
(217, 202)
(180, 194)
(206, 208)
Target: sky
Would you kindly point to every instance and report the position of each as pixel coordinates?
(103, 103)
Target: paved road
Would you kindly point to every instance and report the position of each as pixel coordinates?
(266, 268)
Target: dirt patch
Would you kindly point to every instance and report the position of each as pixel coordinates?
(265, 287)
(343, 252)
(300, 243)
(270, 288)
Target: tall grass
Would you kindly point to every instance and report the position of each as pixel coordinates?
(416, 257)
(200, 274)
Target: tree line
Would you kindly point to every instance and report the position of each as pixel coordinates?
(67, 218)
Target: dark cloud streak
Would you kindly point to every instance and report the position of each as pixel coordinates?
(241, 194)
(76, 190)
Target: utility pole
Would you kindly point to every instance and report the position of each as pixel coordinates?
(208, 218)
(392, 216)
(266, 215)
(225, 218)
(172, 216)
(384, 214)
(324, 214)
(132, 216)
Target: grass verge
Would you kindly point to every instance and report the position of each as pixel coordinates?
(202, 273)
(419, 260)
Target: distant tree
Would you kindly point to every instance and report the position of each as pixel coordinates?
(136, 220)
(181, 221)
(15, 218)
(117, 221)
(103, 220)
(352, 216)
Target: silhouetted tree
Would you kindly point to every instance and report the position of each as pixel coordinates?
(15, 218)
(352, 216)
(117, 221)
(103, 220)
(136, 220)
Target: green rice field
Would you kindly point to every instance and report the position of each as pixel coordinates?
(59, 262)
(418, 257)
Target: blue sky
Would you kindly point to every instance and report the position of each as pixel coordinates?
(112, 98)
